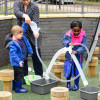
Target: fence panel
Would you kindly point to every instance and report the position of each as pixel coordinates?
(6, 7)
(62, 6)
(56, 6)
(91, 6)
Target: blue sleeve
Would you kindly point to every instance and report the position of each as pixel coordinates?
(28, 45)
(66, 40)
(82, 49)
(24, 26)
(13, 53)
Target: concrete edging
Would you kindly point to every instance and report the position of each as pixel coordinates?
(91, 15)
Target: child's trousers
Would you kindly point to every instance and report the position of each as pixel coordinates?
(18, 78)
(25, 68)
(18, 73)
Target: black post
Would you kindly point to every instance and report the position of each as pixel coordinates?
(5, 7)
(59, 4)
(82, 7)
(46, 6)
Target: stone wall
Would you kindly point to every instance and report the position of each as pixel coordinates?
(53, 30)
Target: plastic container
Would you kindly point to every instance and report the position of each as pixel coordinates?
(34, 27)
(30, 78)
(89, 93)
(42, 86)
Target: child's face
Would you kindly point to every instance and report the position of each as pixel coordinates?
(18, 36)
(76, 31)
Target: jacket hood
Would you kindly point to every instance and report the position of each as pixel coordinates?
(8, 38)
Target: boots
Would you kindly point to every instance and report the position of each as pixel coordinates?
(76, 86)
(19, 88)
(68, 84)
(13, 84)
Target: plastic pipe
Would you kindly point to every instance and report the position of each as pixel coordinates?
(53, 60)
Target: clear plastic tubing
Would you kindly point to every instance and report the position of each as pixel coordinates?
(80, 70)
(53, 60)
(48, 70)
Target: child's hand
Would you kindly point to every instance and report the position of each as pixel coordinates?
(21, 63)
(71, 44)
(36, 35)
(73, 52)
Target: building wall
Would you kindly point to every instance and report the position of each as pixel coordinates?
(5, 26)
(53, 30)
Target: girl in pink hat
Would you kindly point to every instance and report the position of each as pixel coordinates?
(75, 36)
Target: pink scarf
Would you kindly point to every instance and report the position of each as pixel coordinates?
(76, 39)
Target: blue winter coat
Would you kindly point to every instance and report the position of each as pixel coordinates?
(15, 52)
(79, 49)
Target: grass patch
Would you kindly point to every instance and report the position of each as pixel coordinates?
(9, 10)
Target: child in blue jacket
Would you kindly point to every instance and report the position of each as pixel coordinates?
(71, 38)
(19, 47)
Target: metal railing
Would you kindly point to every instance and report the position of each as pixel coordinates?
(6, 7)
(73, 6)
(57, 6)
